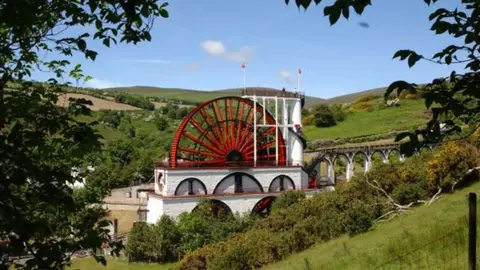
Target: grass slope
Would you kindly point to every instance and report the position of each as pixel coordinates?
(194, 95)
(114, 264)
(433, 237)
(351, 97)
(408, 115)
(98, 103)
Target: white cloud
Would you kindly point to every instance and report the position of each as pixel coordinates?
(213, 47)
(148, 61)
(287, 76)
(217, 48)
(99, 84)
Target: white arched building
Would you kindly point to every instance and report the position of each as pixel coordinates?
(226, 152)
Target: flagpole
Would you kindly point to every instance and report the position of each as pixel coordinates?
(298, 79)
(244, 79)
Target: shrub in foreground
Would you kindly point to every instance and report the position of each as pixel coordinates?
(293, 229)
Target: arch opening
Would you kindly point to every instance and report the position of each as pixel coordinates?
(340, 164)
(264, 206)
(238, 183)
(377, 158)
(191, 186)
(394, 156)
(360, 162)
(212, 207)
(281, 183)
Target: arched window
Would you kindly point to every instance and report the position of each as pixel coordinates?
(191, 186)
(281, 183)
(238, 183)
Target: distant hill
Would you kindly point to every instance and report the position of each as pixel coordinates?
(196, 95)
(351, 97)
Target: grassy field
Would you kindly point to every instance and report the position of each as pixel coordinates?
(193, 95)
(433, 237)
(98, 103)
(408, 115)
(115, 264)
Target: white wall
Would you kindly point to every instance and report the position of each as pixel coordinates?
(174, 206)
(212, 177)
(155, 208)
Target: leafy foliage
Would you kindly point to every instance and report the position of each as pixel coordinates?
(286, 199)
(323, 116)
(157, 243)
(134, 100)
(169, 240)
(40, 143)
(450, 164)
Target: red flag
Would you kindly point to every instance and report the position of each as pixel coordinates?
(299, 71)
(243, 65)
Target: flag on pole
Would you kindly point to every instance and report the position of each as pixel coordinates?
(299, 71)
(244, 79)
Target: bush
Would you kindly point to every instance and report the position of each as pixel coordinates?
(410, 96)
(166, 240)
(139, 245)
(408, 193)
(338, 113)
(161, 123)
(323, 116)
(287, 198)
(308, 120)
(365, 99)
(450, 163)
(365, 107)
(134, 100)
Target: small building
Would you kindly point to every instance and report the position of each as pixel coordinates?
(127, 206)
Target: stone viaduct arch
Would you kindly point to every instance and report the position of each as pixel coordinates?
(331, 155)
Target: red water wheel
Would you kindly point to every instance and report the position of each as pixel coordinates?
(219, 133)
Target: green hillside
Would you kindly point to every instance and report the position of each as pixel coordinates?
(433, 237)
(195, 95)
(410, 114)
(351, 97)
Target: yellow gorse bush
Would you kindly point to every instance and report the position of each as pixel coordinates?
(450, 164)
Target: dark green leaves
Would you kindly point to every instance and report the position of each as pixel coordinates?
(399, 86)
(82, 44)
(413, 57)
(334, 11)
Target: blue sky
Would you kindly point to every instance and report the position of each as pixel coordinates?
(203, 44)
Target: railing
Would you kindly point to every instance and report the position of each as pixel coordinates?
(355, 147)
(271, 92)
(227, 164)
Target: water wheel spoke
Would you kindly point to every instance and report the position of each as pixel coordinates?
(211, 123)
(203, 153)
(201, 130)
(202, 143)
(261, 147)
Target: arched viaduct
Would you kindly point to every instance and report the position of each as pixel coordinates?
(330, 156)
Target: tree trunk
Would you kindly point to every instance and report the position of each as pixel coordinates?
(2, 103)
